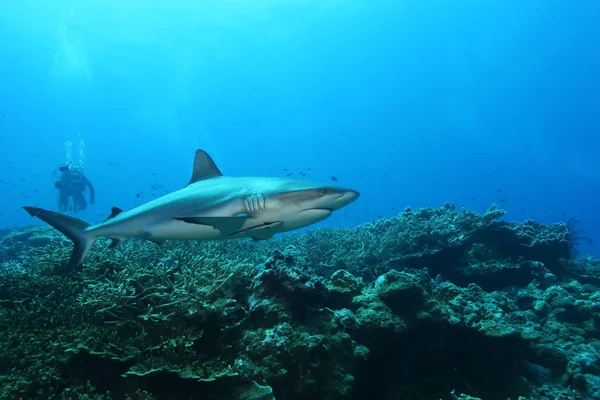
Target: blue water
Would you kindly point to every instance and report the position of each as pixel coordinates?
(413, 103)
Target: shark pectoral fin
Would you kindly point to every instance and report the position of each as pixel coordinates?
(264, 231)
(267, 226)
(223, 224)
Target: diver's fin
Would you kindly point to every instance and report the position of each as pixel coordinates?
(227, 225)
(204, 167)
(71, 227)
(113, 213)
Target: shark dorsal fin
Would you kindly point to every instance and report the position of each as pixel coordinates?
(204, 167)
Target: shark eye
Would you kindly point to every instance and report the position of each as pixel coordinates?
(322, 192)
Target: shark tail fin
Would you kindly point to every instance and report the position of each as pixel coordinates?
(71, 227)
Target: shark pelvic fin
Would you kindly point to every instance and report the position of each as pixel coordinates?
(227, 225)
(148, 236)
(204, 167)
(156, 241)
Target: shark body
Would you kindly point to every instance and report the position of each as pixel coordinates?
(211, 207)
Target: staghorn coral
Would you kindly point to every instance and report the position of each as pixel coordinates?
(146, 292)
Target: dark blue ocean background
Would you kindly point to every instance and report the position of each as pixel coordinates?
(413, 103)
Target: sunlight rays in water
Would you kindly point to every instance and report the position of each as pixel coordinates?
(70, 61)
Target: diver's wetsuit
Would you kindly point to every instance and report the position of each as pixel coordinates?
(72, 184)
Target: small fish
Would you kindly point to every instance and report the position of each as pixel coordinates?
(170, 261)
(333, 178)
(227, 317)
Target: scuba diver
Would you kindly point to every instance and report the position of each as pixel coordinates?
(71, 185)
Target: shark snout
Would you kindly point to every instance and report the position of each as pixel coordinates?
(351, 196)
(344, 198)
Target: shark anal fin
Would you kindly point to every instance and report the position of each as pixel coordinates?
(114, 242)
(224, 224)
(113, 213)
(156, 241)
(258, 238)
(204, 167)
(148, 236)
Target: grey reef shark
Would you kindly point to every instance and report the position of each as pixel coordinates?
(210, 207)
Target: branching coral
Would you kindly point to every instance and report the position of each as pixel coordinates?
(156, 292)
(300, 318)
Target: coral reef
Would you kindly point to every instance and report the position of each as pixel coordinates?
(435, 303)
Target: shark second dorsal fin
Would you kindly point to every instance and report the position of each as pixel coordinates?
(113, 213)
(204, 167)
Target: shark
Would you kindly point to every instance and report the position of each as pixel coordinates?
(212, 206)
